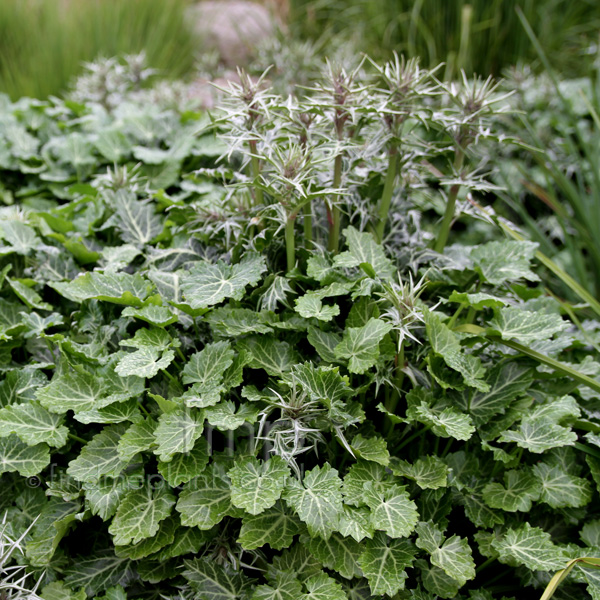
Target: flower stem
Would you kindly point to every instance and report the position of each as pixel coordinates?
(391, 402)
(308, 225)
(334, 226)
(444, 232)
(255, 166)
(290, 242)
(388, 190)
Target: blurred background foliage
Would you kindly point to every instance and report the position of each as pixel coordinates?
(43, 43)
(482, 36)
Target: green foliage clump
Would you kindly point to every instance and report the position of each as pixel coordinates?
(232, 371)
(43, 43)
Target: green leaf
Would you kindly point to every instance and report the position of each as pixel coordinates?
(477, 511)
(184, 467)
(33, 424)
(119, 288)
(57, 590)
(392, 510)
(297, 560)
(55, 520)
(506, 383)
(233, 322)
(324, 343)
(267, 353)
(209, 365)
(445, 343)
(177, 432)
(149, 338)
(311, 306)
(360, 345)
(361, 311)
(358, 475)
(227, 417)
(99, 457)
(436, 581)
(99, 573)
(560, 489)
(209, 284)
(498, 262)
(116, 258)
(452, 555)
(338, 553)
(75, 391)
(145, 363)
(429, 472)
(188, 540)
(206, 499)
(256, 485)
(163, 537)
(29, 296)
(319, 383)
(539, 435)
(478, 301)
(447, 422)
(455, 559)
(140, 513)
(356, 523)
(362, 248)
(590, 534)
(517, 493)
(531, 547)
(323, 587)
(317, 499)
(113, 145)
(103, 497)
(514, 323)
(15, 455)
(285, 587)
(373, 449)
(21, 237)
(213, 581)
(138, 438)
(135, 220)
(276, 293)
(156, 315)
(275, 527)
(383, 562)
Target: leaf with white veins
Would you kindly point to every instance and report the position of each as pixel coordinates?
(255, 485)
(317, 499)
(140, 513)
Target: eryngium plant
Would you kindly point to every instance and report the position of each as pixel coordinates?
(15, 582)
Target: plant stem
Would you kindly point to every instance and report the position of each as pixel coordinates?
(391, 402)
(414, 436)
(334, 226)
(308, 225)
(485, 564)
(76, 438)
(444, 232)
(255, 166)
(169, 376)
(388, 191)
(541, 358)
(290, 241)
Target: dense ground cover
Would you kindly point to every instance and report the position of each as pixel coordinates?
(256, 356)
